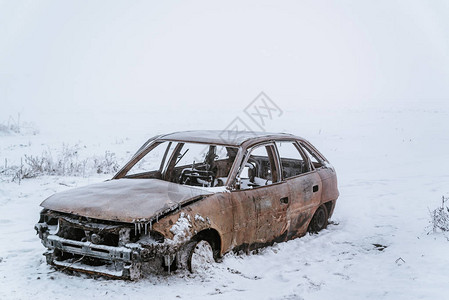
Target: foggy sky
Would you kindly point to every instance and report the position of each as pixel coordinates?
(199, 56)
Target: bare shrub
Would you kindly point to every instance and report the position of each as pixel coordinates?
(67, 162)
(107, 164)
(439, 217)
(4, 128)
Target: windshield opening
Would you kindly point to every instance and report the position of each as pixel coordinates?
(194, 164)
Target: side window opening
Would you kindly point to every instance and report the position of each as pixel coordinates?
(259, 169)
(292, 160)
(316, 161)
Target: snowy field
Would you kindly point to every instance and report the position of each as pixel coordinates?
(392, 166)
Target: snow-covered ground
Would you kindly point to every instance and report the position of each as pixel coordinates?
(392, 165)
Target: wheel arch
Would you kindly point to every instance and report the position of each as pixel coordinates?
(212, 236)
(330, 208)
(311, 225)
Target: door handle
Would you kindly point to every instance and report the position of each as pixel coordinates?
(284, 200)
(315, 188)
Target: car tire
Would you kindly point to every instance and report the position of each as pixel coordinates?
(319, 220)
(200, 257)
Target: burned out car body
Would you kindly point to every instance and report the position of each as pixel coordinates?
(235, 191)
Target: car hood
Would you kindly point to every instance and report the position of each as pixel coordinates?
(124, 200)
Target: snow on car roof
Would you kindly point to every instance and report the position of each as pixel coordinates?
(224, 137)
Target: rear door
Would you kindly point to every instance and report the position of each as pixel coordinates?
(304, 186)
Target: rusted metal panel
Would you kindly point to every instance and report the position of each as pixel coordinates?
(303, 201)
(329, 180)
(214, 212)
(124, 200)
(260, 217)
(223, 137)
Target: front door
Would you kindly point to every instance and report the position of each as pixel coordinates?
(264, 198)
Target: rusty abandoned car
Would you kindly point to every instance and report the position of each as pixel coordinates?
(188, 193)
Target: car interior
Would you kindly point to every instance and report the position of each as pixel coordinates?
(186, 163)
(208, 165)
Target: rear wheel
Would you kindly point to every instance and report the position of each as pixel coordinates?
(319, 220)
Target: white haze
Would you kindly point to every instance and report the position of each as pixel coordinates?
(63, 63)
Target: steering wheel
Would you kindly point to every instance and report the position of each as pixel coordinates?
(192, 176)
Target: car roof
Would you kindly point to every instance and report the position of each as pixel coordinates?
(224, 137)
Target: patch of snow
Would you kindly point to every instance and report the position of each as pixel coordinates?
(181, 229)
(199, 218)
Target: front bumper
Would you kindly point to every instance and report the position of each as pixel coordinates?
(117, 262)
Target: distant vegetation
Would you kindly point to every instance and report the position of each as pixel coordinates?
(66, 162)
(15, 126)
